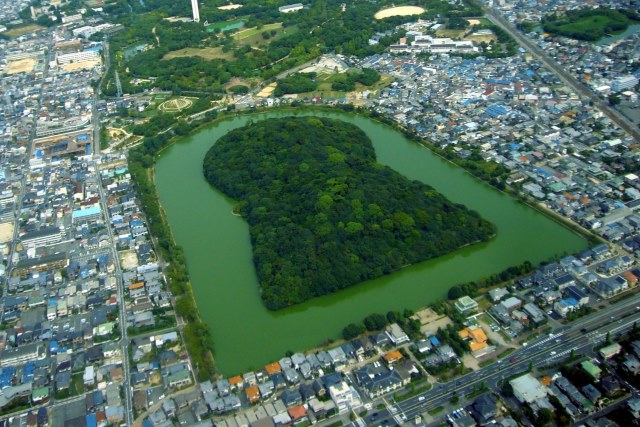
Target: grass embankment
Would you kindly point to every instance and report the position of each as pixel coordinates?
(196, 333)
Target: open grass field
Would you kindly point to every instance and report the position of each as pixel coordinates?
(250, 32)
(399, 11)
(479, 38)
(18, 31)
(253, 37)
(324, 87)
(452, 34)
(478, 21)
(207, 53)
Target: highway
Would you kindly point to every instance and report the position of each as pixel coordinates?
(579, 87)
(580, 336)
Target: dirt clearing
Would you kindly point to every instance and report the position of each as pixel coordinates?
(399, 11)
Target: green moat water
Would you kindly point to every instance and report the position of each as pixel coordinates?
(216, 243)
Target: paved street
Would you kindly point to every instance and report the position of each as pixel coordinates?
(567, 78)
(580, 336)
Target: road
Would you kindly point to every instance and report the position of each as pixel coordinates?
(95, 115)
(124, 340)
(579, 87)
(27, 157)
(579, 336)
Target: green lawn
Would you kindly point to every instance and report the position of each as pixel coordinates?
(244, 34)
(324, 86)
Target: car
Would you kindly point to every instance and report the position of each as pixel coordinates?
(514, 360)
(553, 353)
(421, 398)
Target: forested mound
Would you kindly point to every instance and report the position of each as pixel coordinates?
(323, 214)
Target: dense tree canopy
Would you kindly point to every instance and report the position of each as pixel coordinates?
(296, 83)
(590, 24)
(323, 214)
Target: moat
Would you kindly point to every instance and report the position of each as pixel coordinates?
(218, 249)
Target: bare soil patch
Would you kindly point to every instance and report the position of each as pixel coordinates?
(22, 66)
(399, 11)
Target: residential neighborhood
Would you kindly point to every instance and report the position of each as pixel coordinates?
(89, 333)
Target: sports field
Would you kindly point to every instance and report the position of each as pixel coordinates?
(399, 11)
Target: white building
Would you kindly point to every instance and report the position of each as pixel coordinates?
(344, 396)
(622, 83)
(290, 8)
(396, 334)
(430, 44)
(77, 57)
(89, 376)
(528, 389)
(196, 10)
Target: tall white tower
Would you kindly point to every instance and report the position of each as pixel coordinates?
(196, 12)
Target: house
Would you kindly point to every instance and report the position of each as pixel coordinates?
(252, 393)
(536, 315)
(89, 376)
(291, 398)
(590, 368)
(476, 338)
(396, 334)
(466, 305)
(272, 368)
(424, 346)
(607, 288)
(631, 364)
(376, 379)
(380, 340)
(634, 407)
(565, 306)
(609, 351)
(575, 293)
(337, 356)
(298, 414)
(178, 379)
(344, 396)
(511, 304)
(392, 357)
(497, 294)
(611, 386)
(591, 393)
(528, 389)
